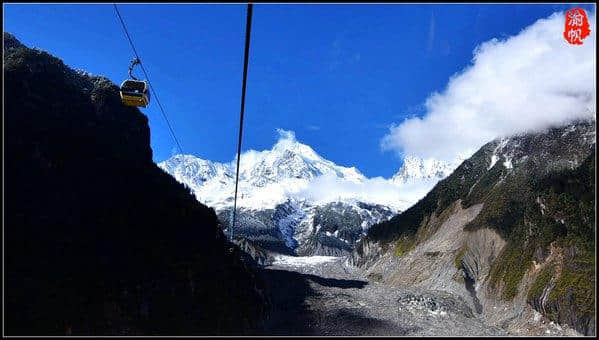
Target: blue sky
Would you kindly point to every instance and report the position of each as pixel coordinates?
(337, 75)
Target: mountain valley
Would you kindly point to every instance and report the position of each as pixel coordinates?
(103, 240)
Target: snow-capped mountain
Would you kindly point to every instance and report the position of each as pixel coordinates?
(415, 168)
(266, 178)
(292, 200)
(276, 208)
(290, 159)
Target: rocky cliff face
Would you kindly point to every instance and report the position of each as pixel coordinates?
(334, 228)
(98, 239)
(300, 228)
(510, 230)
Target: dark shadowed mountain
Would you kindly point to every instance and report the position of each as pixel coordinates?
(98, 239)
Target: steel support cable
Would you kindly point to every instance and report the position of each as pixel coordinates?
(148, 78)
(248, 28)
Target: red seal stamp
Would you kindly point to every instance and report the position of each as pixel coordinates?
(576, 26)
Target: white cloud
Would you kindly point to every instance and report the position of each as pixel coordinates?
(377, 190)
(526, 82)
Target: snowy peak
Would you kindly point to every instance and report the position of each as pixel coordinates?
(288, 163)
(290, 159)
(418, 168)
(287, 144)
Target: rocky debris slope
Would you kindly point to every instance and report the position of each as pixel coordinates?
(324, 296)
(511, 229)
(98, 239)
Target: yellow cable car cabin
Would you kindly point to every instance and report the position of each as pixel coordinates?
(135, 93)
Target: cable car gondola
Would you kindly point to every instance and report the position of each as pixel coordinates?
(135, 92)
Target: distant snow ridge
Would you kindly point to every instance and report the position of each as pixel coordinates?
(415, 168)
(194, 171)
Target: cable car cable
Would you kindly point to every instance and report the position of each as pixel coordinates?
(243, 92)
(148, 78)
(248, 29)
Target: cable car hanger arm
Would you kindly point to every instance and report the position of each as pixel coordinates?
(134, 62)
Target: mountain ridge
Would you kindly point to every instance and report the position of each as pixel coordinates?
(520, 207)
